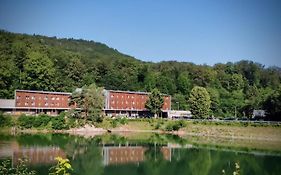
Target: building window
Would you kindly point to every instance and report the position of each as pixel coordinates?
(27, 97)
(58, 98)
(32, 103)
(53, 98)
(46, 98)
(26, 103)
(18, 103)
(46, 104)
(112, 96)
(18, 97)
(32, 98)
(112, 102)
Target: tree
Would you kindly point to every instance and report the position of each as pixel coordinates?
(183, 83)
(90, 100)
(272, 105)
(39, 72)
(236, 82)
(155, 102)
(199, 102)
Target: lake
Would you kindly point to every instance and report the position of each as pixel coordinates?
(141, 154)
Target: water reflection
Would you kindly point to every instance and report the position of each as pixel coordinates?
(130, 154)
(154, 155)
(33, 155)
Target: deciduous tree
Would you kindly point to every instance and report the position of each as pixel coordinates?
(155, 102)
(199, 102)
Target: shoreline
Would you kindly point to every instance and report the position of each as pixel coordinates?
(91, 131)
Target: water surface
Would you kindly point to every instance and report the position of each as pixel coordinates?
(150, 154)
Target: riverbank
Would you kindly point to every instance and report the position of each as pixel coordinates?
(183, 129)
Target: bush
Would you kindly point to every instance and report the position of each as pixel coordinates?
(34, 121)
(26, 121)
(5, 120)
(175, 126)
(59, 123)
(7, 168)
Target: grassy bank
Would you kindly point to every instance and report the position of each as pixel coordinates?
(234, 129)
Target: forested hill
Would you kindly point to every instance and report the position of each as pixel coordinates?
(47, 63)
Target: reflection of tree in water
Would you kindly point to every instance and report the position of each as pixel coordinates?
(85, 156)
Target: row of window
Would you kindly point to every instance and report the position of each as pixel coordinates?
(39, 104)
(128, 108)
(45, 98)
(126, 102)
(130, 96)
(124, 108)
(124, 96)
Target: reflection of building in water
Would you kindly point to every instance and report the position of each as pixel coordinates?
(36, 155)
(129, 154)
(33, 155)
(120, 155)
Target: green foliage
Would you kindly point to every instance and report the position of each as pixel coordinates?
(118, 121)
(38, 72)
(42, 121)
(6, 168)
(272, 105)
(5, 121)
(155, 102)
(63, 167)
(58, 123)
(47, 63)
(90, 100)
(200, 102)
(175, 125)
(26, 121)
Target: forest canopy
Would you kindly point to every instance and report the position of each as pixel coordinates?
(46, 63)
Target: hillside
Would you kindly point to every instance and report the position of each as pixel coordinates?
(47, 63)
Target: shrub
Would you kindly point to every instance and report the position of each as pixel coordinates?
(26, 121)
(175, 126)
(7, 168)
(63, 167)
(58, 123)
(5, 120)
(113, 123)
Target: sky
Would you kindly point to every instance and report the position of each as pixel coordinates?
(198, 31)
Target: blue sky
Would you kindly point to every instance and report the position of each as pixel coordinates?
(198, 31)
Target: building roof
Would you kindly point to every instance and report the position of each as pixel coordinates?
(133, 92)
(44, 92)
(7, 103)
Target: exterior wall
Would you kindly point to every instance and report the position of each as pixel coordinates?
(40, 99)
(123, 100)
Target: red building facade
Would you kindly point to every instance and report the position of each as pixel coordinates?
(41, 101)
(130, 103)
